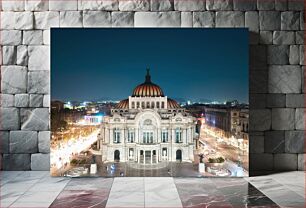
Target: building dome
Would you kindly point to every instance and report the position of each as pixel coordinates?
(172, 104)
(123, 104)
(148, 89)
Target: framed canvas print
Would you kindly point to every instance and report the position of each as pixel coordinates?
(149, 102)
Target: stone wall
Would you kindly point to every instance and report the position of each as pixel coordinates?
(276, 68)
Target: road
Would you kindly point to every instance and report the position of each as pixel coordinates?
(67, 150)
(227, 151)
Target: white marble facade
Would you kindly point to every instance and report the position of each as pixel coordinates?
(147, 128)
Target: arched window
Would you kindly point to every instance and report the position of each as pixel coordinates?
(157, 104)
(152, 105)
(116, 135)
(164, 135)
(142, 104)
(147, 137)
(148, 104)
(138, 105)
(178, 135)
(162, 105)
(133, 104)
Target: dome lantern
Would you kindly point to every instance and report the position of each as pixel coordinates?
(148, 88)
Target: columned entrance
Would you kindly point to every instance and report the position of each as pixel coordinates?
(148, 156)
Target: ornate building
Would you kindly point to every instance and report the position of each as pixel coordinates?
(147, 128)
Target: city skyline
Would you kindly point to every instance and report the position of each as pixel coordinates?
(94, 68)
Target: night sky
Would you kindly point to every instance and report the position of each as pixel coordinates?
(95, 64)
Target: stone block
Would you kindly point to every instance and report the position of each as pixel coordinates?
(157, 19)
(300, 119)
(295, 100)
(294, 141)
(22, 100)
(63, 5)
(32, 37)
(283, 118)
(23, 142)
(245, 5)
(13, 5)
(294, 54)
(274, 141)
(296, 5)
(36, 5)
(257, 101)
(256, 144)
(39, 58)
(261, 161)
(13, 79)
(122, 19)
(16, 162)
(46, 37)
(9, 119)
(22, 55)
(276, 100)
(46, 101)
(302, 55)
(40, 162)
(299, 37)
(258, 56)
(24, 20)
(266, 37)
(71, 19)
(9, 55)
(185, 6)
(260, 119)
(98, 5)
(45, 20)
(303, 79)
(162, 5)
(281, 5)
(39, 82)
(251, 21)
(203, 19)
(35, 120)
(229, 19)
(301, 162)
(216, 5)
(134, 5)
(10, 37)
(97, 19)
(290, 20)
(36, 100)
(285, 79)
(302, 20)
(269, 20)
(44, 141)
(278, 54)
(6, 100)
(7, 20)
(4, 142)
(265, 5)
(259, 81)
(285, 162)
(186, 19)
(283, 38)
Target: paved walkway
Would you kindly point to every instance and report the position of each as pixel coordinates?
(38, 189)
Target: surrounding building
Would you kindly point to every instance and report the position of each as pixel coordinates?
(147, 128)
(231, 123)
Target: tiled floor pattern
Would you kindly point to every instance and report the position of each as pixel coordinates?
(38, 189)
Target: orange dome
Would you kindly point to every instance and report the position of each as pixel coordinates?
(148, 89)
(172, 104)
(123, 104)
